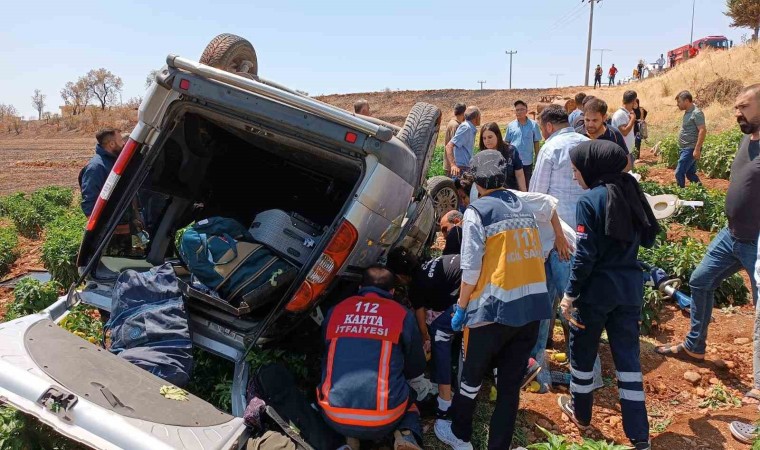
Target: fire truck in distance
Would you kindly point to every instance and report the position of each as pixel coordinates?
(685, 52)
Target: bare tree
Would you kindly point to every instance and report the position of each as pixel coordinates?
(104, 86)
(38, 102)
(16, 122)
(7, 111)
(77, 95)
(151, 77)
(744, 14)
(133, 102)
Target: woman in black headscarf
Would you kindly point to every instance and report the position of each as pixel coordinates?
(606, 287)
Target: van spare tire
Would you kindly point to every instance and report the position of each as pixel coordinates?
(444, 195)
(231, 53)
(420, 134)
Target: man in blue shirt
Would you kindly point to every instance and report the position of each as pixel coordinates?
(524, 134)
(459, 150)
(93, 176)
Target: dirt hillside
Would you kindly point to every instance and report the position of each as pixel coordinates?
(708, 76)
(495, 104)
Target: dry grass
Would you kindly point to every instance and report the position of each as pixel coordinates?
(84, 124)
(657, 94)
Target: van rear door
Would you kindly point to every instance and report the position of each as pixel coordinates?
(91, 396)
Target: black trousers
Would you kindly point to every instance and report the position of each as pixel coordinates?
(507, 348)
(528, 172)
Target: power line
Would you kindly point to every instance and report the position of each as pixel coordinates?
(564, 18)
(556, 80)
(510, 53)
(481, 84)
(567, 21)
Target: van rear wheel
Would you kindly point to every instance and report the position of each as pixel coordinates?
(231, 53)
(444, 195)
(420, 134)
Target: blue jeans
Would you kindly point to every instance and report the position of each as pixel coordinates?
(622, 325)
(686, 168)
(557, 276)
(725, 256)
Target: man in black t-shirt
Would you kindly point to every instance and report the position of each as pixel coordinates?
(451, 228)
(735, 247)
(595, 116)
(433, 289)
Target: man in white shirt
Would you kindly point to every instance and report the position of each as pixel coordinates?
(552, 173)
(660, 63)
(624, 119)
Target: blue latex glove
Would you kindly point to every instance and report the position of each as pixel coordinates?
(458, 320)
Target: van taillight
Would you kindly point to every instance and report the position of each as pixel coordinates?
(325, 269)
(118, 169)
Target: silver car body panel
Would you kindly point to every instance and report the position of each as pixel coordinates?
(377, 212)
(305, 103)
(22, 384)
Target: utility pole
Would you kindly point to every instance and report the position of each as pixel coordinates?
(510, 53)
(590, 30)
(556, 75)
(481, 84)
(693, 8)
(602, 50)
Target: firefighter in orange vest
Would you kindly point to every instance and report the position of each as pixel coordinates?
(373, 364)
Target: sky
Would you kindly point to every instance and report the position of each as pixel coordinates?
(343, 46)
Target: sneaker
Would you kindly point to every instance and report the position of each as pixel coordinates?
(643, 445)
(441, 414)
(530, 375)
(444, 434)
(743, 432)
(565, 403)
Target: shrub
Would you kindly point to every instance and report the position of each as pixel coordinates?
(212, 379)
(679, 259)
(559, 442)
(61, 245)
(436, 162)
(19, 209)
(650, 311)
(718, 152)
(32, 214)
(669, 151)
(31, 296)
(51, 202)
(643, 171)
(21, 432)
(11, 429)
(8, 247)
(56, 195)
(84, 322)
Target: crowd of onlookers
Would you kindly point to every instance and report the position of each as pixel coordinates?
(550, 221)
(549, 224)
